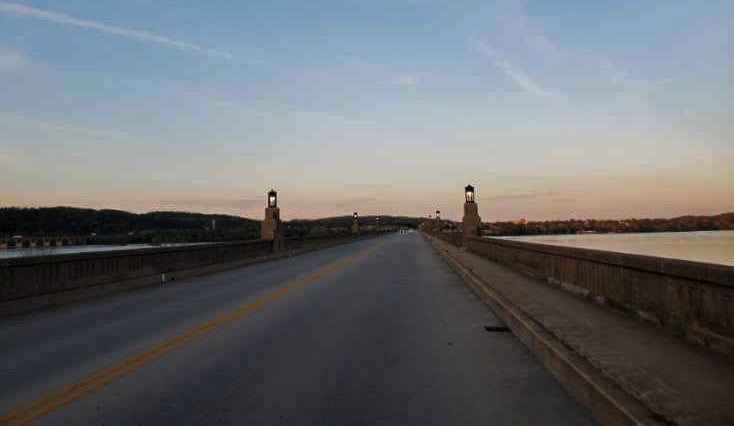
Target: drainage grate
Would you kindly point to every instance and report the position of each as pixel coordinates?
(497, 328)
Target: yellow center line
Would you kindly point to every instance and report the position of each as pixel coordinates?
(43, 405)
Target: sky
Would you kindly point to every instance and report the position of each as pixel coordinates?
(552, 109)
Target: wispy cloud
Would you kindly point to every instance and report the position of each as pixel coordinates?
(406, 80)
(281, 110)
(8, 156)
(248, 203)
(546, 195)
(521, 195)
(385, 74)
(356, 202)
(541, 44)
(12, 60)
(624, 81)
(144, 36)
(610, 75)
(516, 74)
(71, 129)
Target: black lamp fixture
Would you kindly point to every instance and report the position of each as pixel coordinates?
(469, 193)
(272, 199)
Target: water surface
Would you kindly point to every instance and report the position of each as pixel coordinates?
(703, 246)
(52, 251)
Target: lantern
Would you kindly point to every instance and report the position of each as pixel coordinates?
(469, 193)
(272, 199)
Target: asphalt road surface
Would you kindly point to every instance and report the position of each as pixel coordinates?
(376, 332)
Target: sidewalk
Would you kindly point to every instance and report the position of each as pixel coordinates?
(624, 371)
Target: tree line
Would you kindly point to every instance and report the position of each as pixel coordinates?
(121, 227)
(724, 221)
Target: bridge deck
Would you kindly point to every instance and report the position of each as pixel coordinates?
(375, 332)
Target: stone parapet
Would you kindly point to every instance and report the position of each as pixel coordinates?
(691, 299)
(33, 282)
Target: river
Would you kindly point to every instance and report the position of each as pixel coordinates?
(52, 251)
(703, 246)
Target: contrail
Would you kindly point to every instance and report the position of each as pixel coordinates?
(146, 36)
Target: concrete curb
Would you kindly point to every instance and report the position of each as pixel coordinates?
(607, 402)
(27, 304)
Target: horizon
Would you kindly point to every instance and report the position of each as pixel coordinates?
(608, 110)
(371, 215)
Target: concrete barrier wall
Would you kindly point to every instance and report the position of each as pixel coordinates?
(29, 283)
(35, 276)
(453, 238)
(692, 299)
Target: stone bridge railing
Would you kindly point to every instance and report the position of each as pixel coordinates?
(33, 242)
(32, 282)
(690, 299)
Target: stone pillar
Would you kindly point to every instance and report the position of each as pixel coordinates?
(471, 221)
(271, 228)
(355, 224)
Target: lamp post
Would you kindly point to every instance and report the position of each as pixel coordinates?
(271, 228)
(471, 221)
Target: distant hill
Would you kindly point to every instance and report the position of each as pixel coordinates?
(719, 222)
(79, 221)
(117, 226)
(335, 224)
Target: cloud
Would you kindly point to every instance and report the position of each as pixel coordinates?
(385, 74)
(621, 79)
(8, 156)
(249, 203)
(205, 202)
(612, 75)
(145, 36)
(406, 80)
(544, 46)
(73, 129)
(12, 60)
(520, 35)
(522, 195)
(355, 202)
(516, 74)
(281, 109)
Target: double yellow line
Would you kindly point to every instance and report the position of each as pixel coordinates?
(53, 400)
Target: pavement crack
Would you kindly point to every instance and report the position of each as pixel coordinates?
(497, 328)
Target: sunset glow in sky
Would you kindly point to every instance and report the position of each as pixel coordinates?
(552, 109)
